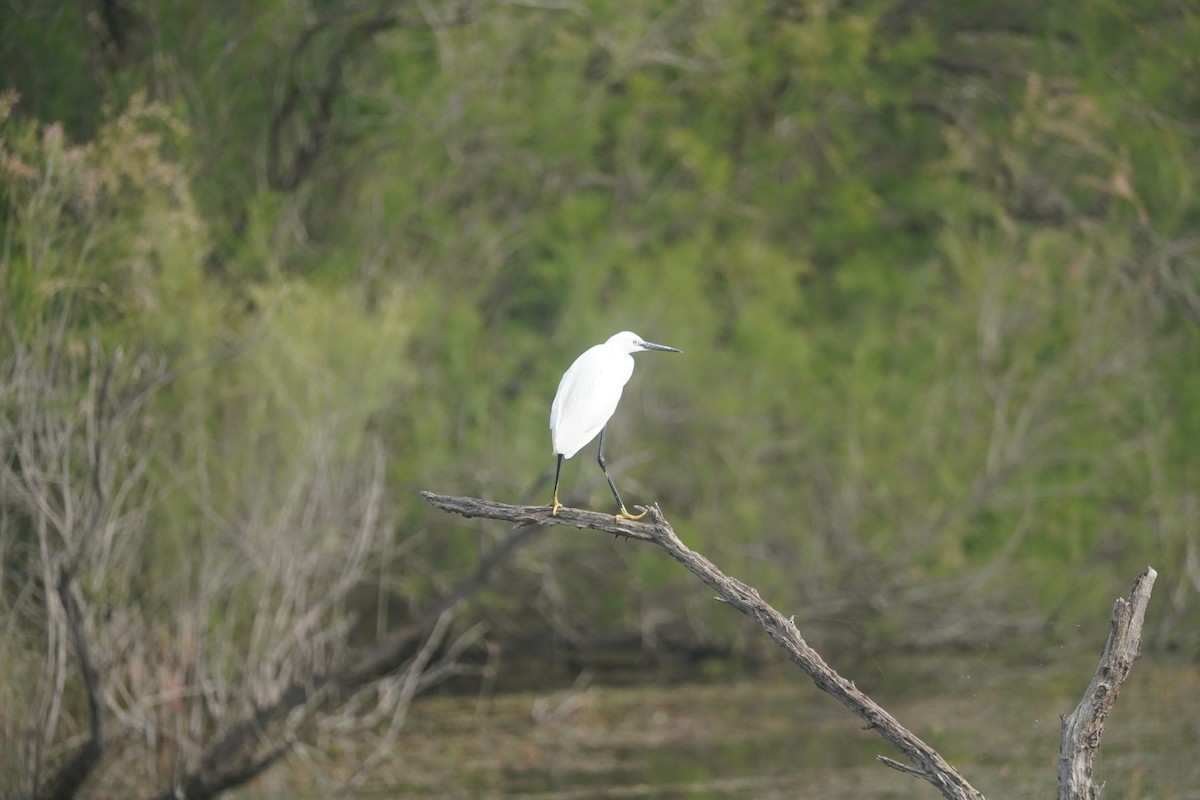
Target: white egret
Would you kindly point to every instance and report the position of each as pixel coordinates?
(587, 397)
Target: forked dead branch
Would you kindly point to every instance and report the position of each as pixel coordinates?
(1081, 731)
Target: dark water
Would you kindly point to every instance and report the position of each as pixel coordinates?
(996, 718)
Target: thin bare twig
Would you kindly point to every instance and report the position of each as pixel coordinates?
(408, 687)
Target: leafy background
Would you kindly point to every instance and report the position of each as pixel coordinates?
(934, 270)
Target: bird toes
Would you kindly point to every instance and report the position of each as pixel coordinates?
(626, 515)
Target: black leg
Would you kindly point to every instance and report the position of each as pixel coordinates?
(622, 514)
(557, 471)
(604, 467)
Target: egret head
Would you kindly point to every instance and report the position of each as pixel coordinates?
(629, 342)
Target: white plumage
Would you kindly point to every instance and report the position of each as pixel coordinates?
(587, 397)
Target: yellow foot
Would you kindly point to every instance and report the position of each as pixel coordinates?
(626, 515)
(554, 507)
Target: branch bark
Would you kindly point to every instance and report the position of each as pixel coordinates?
(1081, 731)
(923, 761)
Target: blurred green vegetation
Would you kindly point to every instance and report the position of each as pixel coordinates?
(934, 269)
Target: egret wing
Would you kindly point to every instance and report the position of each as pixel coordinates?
(587, 397)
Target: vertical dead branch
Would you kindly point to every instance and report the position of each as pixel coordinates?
(1082, 729)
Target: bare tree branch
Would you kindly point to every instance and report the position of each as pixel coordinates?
(70, 775)
(383, 656)
(248, 747)
(924, 761)
(408, 688)
(1081, 731)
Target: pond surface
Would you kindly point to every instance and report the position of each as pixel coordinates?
(776, 736)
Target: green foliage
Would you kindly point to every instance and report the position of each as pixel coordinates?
(931, 269)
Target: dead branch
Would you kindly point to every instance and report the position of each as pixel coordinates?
(408, 687)
(250, 746)
(1081, 731)
(71, 774)
(73, 476)
(924, 761)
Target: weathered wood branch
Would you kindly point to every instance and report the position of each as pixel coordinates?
(1082, 729)
(923, 760)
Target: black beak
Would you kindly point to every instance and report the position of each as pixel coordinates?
(652, 346)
